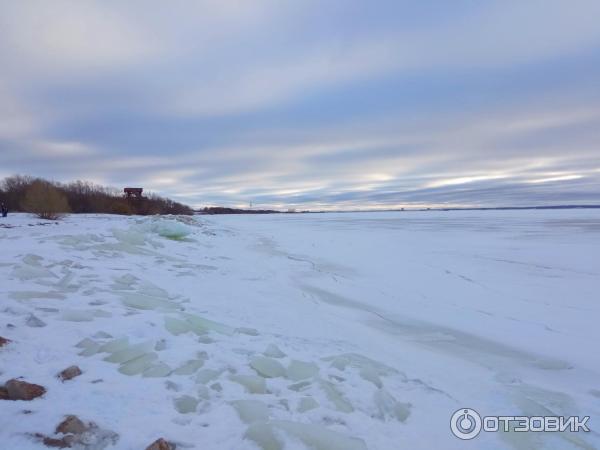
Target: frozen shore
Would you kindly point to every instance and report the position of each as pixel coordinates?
(329, 331)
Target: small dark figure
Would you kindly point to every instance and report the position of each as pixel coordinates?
(4, 210)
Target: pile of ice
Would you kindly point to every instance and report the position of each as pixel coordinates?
(170, 228)
(134, 239)
(137, 234)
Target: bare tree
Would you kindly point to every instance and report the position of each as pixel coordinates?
(13, 190)
(46, 201)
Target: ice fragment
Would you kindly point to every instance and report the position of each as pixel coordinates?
(251, 411)
(300, 370)
(273, 351)
(253, 384)
(267, 367)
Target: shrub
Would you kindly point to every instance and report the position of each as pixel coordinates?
(45, 201)
(123, 208)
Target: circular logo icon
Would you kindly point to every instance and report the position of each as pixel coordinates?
(465, 423)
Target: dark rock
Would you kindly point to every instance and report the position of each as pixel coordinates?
(69, 373)
(3, 393)
(3, 341)
(65, 442)
(161, 444)
(22, 390)
(77, 434)
(71, 424)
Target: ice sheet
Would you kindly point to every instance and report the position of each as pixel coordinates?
(350, 330)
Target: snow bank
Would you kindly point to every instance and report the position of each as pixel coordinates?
(327, 332)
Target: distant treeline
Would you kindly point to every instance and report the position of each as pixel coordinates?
(29, 194)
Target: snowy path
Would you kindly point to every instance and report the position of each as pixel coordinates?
(335, 331)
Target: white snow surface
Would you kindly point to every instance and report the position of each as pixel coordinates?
(303, 331)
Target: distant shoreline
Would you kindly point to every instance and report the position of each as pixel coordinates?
(234, 211)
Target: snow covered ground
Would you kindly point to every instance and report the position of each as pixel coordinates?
(321, 331)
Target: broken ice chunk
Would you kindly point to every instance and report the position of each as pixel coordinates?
(389, 407)
(248, 331)
(157, 370)
(65, 281)
(318, 437)
(200, 325)
(129, 353)
(340, 362)
(186, 404)
(306, 404)
(335, 397)
(176, 326)
(189, 367)
(267, 367)
(263, 435)
(101, 313)
(203, 392)
(85, 343)
(152, 290)
(273, 351)
(29, 272)
(300, 370)
(138, 365)
(90, 349)
(206, 340)
(32, 260)
(253, 384)
(102, 335)
(360, 361)
(129, 237)
(169, 229)
(370, 374)
(30, 295)
(34, 322)
(115, 345)
(74, 315)
(242, 351)
(299, 386)
(124, 282)
(141, 301)
(251, 411)
(206, 375)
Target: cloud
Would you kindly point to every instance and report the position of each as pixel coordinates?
(65, 36)
(297, 104)
(503, 35)
(349, 168)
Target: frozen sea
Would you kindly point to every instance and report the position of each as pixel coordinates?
(334, 331)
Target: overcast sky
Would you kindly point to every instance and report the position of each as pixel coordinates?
(307, 104)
